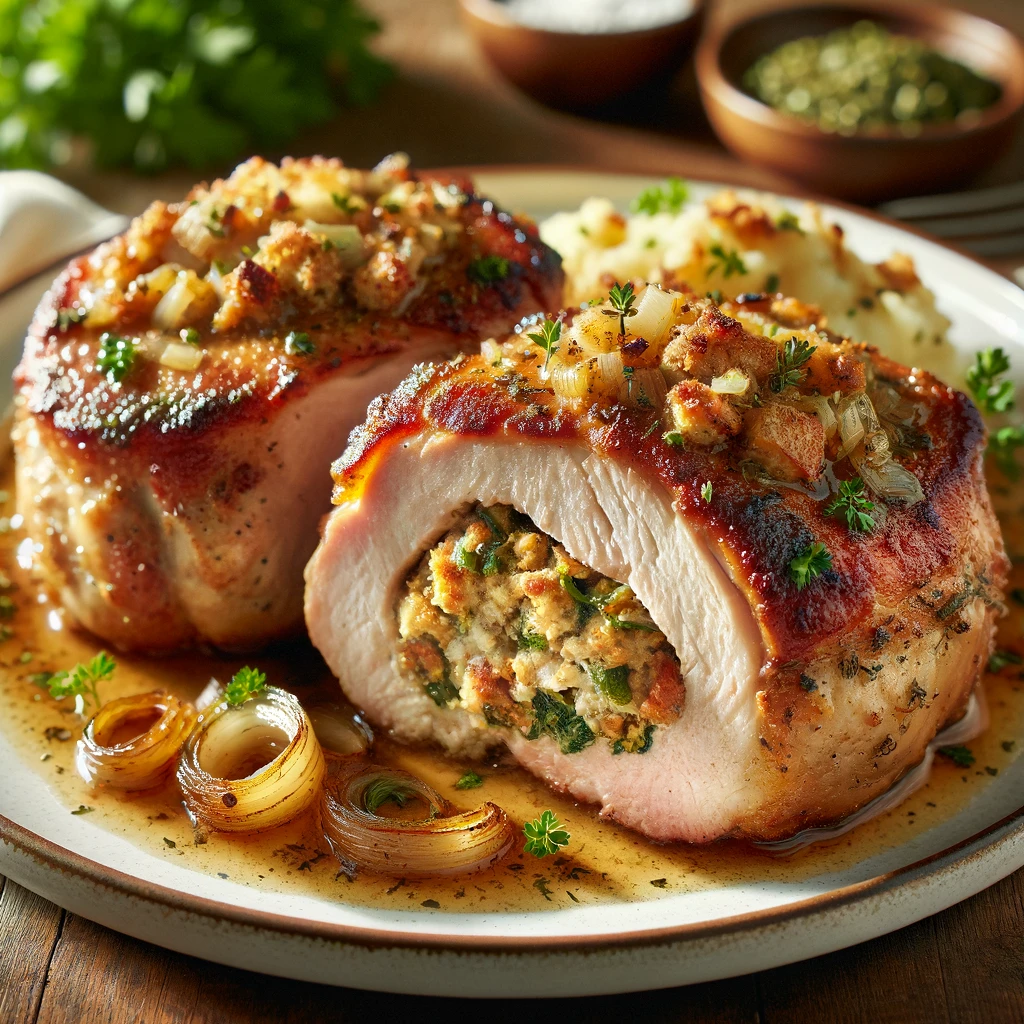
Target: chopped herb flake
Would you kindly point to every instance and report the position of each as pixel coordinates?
(545, 835)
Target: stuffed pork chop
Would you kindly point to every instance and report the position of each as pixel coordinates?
(183, 387)
(708, 567)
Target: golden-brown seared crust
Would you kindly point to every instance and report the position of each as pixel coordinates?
(259, 269)
(922, 562)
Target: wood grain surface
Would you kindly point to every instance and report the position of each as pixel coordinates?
(964, 966)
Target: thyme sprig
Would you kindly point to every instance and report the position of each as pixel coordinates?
(621, 299)
(789, 364)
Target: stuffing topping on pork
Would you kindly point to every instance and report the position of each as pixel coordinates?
(798, 525)
(185, 385)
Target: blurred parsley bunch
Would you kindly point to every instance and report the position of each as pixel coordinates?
(157, 82)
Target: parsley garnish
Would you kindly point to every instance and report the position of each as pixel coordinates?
(469, 781)
(116, 356)
(789, 362)
(814, 560)
(545, 835)
(960, 756)
(706, 491)
(245, 684)
(673, 438)
(343, 203)
(547, 337)
(726, 260)
(991, 394)
(788, 221)
(668, 197)
(81, 682)
(298, 343)
(527, 640)
(621, 298)
(189, 335)
(853, 505)
(488, 270)
(771, 284)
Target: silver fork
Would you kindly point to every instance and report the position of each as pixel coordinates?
(987, 221)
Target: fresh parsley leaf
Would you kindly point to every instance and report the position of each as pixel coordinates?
(726, 260)
(960, 756)
(298, 343)
(668, 197)
(189, 335)
(469, 781)
(991, 394)
(116, 356)
(853, 505)
(156, 84)
(788, 221)
(245, 684)
(545, 835)
(621, 300)
(789, 364)
(547, 337)
(82, 681)
(344, 203)
(673, 438)
(488, 270)
(706, 490)
(814, 560)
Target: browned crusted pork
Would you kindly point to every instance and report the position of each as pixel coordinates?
(184, 387)
(778, 545)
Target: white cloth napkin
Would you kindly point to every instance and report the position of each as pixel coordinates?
(42, 221)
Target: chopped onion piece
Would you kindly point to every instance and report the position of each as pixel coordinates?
(648, 388)
(178, 356)
(133, 742)
(444, 843)
(821, 406)
(653, 314)
(216, 280)
(571, 381)
(891, 481)
(610, 372)
(251, 766)
(851, 426)
(732, 382)
(594, 331)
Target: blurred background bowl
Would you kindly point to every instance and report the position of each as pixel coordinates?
(884, 163)
(575, 70)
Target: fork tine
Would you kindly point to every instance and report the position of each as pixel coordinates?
(998, 245)
(998, 223)
(950, 203)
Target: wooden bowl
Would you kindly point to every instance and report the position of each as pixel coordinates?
(871, 166)
(575, 69)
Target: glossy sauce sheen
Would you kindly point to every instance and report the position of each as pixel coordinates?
(603, 862)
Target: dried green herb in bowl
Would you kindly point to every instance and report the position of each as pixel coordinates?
(863, 77)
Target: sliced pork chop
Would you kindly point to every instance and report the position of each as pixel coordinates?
(654, 600)
(184, 387)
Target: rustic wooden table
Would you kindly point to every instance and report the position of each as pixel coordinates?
(965, 965)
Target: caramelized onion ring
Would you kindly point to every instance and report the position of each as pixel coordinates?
(139, 761)
(284, 785)
(444, 844)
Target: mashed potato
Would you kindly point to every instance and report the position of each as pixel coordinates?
(749, 242)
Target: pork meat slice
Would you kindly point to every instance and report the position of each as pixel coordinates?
(813, 677)
(185, 386)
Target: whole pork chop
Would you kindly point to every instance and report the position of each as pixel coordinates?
(185, 385)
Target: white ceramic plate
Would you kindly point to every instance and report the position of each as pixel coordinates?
(585, 950)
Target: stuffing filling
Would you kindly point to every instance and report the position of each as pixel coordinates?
(499, 620)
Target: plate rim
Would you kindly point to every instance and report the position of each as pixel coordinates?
(1004, 832)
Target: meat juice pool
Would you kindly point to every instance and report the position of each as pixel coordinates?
(602, 863)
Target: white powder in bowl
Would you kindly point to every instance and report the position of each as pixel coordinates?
(597, 16)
